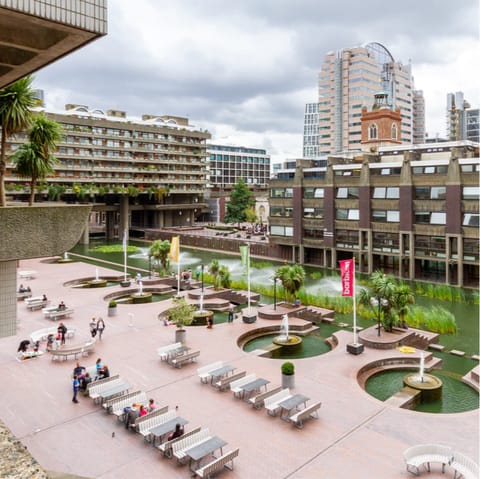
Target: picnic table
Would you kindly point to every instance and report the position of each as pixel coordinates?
(252, 386)
(173, 353)
(198, 452)
(220, 372)
(161, 430)
(115, 390)
(287, 405)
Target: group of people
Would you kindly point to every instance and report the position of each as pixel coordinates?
(58, 339)
(82, 378)
(23, 289)
(97, 326)
(131, 413)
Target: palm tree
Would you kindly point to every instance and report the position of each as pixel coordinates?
(292, 279)
(214, 270)
(16, 103)
(159, 250)
(380, 298)
(34, 160)
(224, 277)
(402, 299)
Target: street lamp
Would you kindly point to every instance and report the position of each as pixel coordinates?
(379, 303)
(202, 266)
(275, 293)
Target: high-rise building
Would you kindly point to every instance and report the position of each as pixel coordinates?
(462, 120)
(348, 80)
(311, 136)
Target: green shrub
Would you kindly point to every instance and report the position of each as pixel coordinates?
(112, 304)
(288, 369)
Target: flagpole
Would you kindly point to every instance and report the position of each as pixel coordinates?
(354, 306)
(178, 269)
(124, 255)
(248, 276)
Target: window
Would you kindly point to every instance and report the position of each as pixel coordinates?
(372, 132)
(391, 193)
(319, 193)
(353, 214)
(470, 219)
(351, 193)
(438, 192)
(308, 212)
(393, 216)
(471, 193)
(430, 193)
(438, 218)
(394, 132)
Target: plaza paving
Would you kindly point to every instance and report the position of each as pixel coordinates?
(355, 435)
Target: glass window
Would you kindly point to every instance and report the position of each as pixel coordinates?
(379, 215)
(471, 193)
(470, 219)
(422, 217)
(288, 231)
(379, 192)
(438, 218)
(438, 192)
(277, 230)
(308, 192)
(342, 192)
(353, 214)
(393, 193)
(422, 192)
(341, 214)
(308, 212)
(393, 216)
(288, 192)
(319, 193)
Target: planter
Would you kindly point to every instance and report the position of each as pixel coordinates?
(288, 381)
(355, 348)
(125, 284)
(112, 311)
(180, 336)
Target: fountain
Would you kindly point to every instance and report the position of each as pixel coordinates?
(97, 282)
(141, 296)
(202, 316)
(64, 258)
(430, 386)
(286, 340)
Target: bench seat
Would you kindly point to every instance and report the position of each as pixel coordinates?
(258, 400)
(167, 446)
(206, 471)
(224, 384)
(83, 350)
(181, 360)
(300, 416)
(204, 372)
(424, 454)
(464, 467)
(271, 402)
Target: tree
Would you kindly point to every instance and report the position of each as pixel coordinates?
(402, 299)
(380, 298)
(224, 278)
(214, 270)
(241, 199)
(16, 103)
(182, 313)
(34, 160)
(159, 250)
(292, 279)
(251, 216)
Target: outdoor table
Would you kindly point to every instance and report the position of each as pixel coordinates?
(33, 299)
(114, 390)
(220, 372)
(158, 431)
(291, 403)
(197, 453)
(176, 352)
(248, 388)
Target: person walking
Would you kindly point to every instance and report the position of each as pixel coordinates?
(76, 387)
(62, 331)
(231, 314)
(93, 327)
(100, 327)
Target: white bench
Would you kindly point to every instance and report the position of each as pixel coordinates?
(82, 350)
(224, 384)
(217, 464)
(96, 387)
(181, 360)
(59, 313)
(271, 402)
(116, 406)
(42, 334)
(155, 418)
(300, 416)
(188, 442)
(464, 467)
(424, 454)
(36, 304)
(167, 446)
(235, 386)
(258, 400)
(23, 294)
(164, 351)
(203, 372)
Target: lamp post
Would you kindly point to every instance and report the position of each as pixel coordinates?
(275, 293)
(379, 304)
(150, 266)
(202, 266)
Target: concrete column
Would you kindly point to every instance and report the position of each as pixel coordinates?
(460, 263)
(85, 238)
(8, 298)
(110, 225)
(124, 216)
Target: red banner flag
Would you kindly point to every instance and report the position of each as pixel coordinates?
(347, 270)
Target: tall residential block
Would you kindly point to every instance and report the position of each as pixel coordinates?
(462, 120)
(348, 80)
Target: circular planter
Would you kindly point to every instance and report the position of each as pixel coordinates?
(180, 335)
(112, 311)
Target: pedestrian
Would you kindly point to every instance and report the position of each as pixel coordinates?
(62, 331)
(100, 327)
(230, 314)
(76, 387)
(93, 327)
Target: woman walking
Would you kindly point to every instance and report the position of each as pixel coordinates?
(100, 327)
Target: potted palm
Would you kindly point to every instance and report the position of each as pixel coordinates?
(181, 315)
(112, 308)
(288, 375)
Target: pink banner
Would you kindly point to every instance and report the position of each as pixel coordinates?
(347, 270)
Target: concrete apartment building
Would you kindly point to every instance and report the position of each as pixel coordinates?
(347, 82)
(138, 173)
(226, 165)
(410, 210)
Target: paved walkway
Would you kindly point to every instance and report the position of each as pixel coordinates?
(356, 435)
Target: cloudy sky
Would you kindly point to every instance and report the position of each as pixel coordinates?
(245, 69)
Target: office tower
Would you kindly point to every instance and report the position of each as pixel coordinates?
(462, 120)
(472, 125)
(348, 80)
(311, 135)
